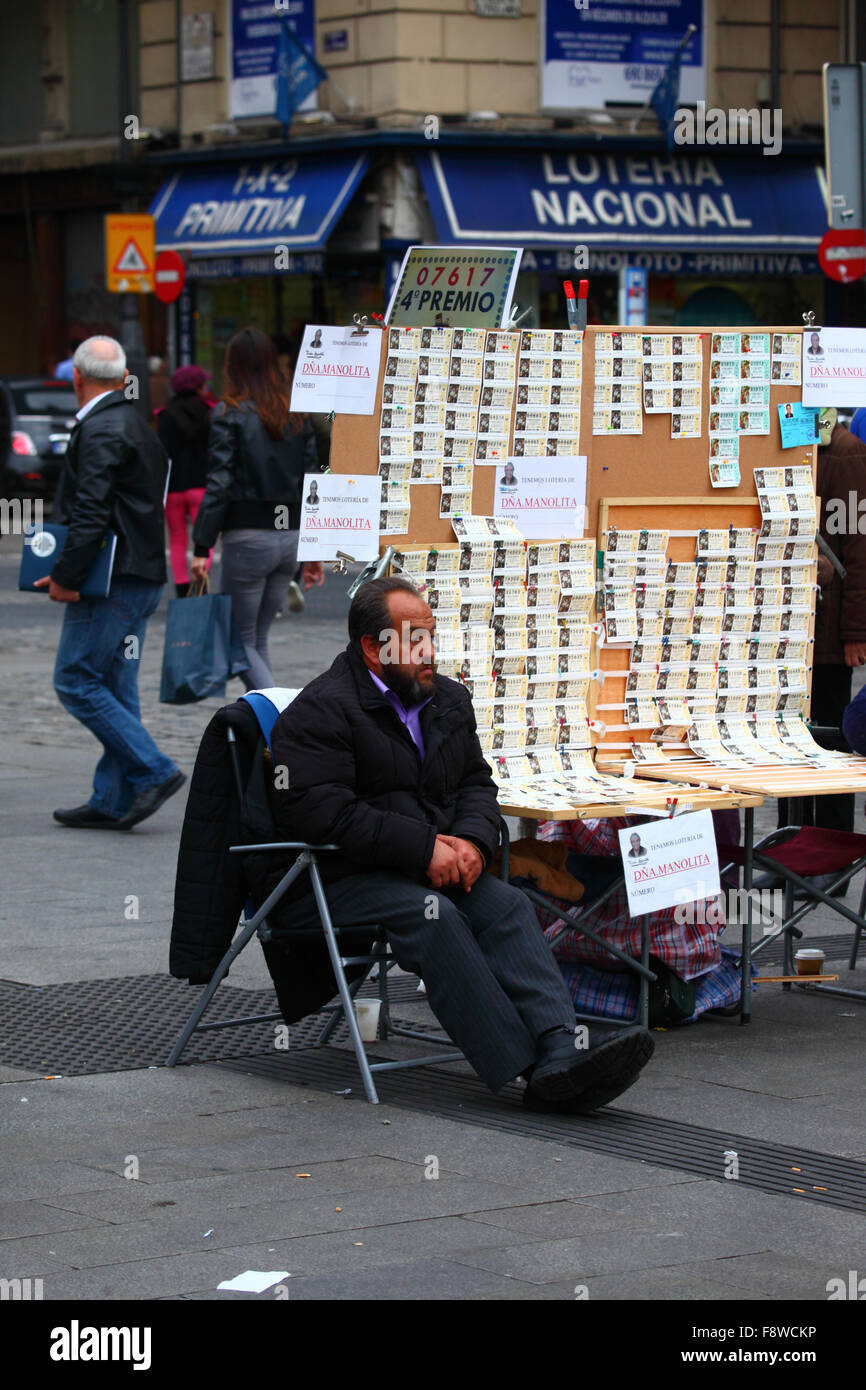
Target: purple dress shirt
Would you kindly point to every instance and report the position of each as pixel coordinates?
(410, 717)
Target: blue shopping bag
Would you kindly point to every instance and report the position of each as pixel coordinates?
(203, 649)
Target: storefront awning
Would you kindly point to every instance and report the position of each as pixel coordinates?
(627, 201)
(256, 207)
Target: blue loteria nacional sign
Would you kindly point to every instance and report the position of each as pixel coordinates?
(702, 263)
(640, 201)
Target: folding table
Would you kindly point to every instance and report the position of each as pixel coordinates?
(666, 798)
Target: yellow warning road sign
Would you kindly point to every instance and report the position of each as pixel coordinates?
(130, 252)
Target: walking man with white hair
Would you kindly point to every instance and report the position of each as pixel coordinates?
(113, 479)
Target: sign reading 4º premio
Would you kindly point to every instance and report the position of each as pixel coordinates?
(455, 287)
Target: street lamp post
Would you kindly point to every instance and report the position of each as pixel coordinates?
(131, 336)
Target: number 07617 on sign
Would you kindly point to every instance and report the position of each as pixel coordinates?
(455, 287)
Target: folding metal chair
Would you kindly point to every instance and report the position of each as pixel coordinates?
(575, 920)
(267, 705)
(796, 854)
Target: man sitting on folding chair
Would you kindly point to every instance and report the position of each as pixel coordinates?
(380, 756)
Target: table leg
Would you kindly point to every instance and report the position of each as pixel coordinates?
(746, 959)
(643, 996)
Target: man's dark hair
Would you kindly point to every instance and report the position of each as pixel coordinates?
(369, 615)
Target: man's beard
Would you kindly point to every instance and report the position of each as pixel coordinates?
(408, 689)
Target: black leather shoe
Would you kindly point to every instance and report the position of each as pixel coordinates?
(86, 818)
(593, 1097)
(563, 1072)
(149, 801)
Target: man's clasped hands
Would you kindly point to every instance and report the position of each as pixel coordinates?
(454, 861)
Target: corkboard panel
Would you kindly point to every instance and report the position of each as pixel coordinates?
(654, 465)
(648, 465)
(673, 514)
(355, 449)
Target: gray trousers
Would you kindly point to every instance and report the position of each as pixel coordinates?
(257, 567)
(491, 978)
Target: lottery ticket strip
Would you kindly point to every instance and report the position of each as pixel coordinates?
(716, 648)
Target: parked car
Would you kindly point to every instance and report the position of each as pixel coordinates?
(38, 415)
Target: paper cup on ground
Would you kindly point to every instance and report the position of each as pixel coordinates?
(367, 1014)
(809, 962)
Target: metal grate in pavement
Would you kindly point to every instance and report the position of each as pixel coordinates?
(123, 1024)
(802, 1174)
(129, 1023)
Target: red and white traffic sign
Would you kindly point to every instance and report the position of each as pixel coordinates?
(169, 276)
(842, 253)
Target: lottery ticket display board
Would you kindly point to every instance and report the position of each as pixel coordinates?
(709, 626)
(545, 634)
(480, 399)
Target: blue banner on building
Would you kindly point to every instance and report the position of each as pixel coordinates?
(255, 41)
(640, 201)
(272, 206)
(730, 263)
(608, 51)
(233, 267)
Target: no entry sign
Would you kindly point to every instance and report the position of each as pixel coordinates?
(842, 253)
(169, 275)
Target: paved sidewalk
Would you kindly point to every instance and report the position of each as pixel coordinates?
(155, 1184)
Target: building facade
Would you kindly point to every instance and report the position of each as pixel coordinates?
(449, 121)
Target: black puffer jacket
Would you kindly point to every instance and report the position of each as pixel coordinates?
(356, 779)
(184, 429)
(212, 885)
(250, 475)
(113, 479)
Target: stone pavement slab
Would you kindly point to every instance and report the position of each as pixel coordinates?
(550, 1220)
(429, 1280)
(609, 1252)
(772, 1274)
(679, 1284)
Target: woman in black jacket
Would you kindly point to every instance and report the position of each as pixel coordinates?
(183, 427)
(258, 454)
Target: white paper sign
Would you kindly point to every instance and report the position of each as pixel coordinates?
(671, 861)
(254, 1280)
(337, 369)
(340, 511)
(834, 366)
(544, 497)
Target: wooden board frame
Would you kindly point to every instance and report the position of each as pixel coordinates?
(687, 799)
(779, 781)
